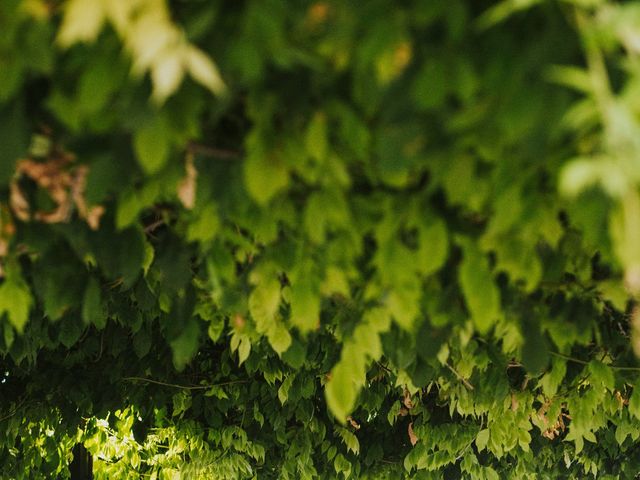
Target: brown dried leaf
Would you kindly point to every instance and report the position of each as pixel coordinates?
(18, 203)
(239, 322)
(94, 215)
(65, 186)
(59, 215)
(514, 402)
(318, 13)
(353, 423)
(78, 186)
(187, 187)
(412, 436)
(621, 400)
(407, 401)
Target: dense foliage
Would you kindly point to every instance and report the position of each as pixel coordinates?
(329, 239)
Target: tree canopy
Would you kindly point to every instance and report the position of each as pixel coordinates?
(322, 239)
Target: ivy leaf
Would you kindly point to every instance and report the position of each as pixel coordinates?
(481, 294)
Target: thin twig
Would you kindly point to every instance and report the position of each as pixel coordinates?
(567, 357)
(460, 377)
(384, 367)
(152, 226)
(183, 387)
(209, 151)
(14, 411)
(582, 362)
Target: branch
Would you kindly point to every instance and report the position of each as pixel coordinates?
(183, 387)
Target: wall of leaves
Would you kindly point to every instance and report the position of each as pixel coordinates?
(320, 239)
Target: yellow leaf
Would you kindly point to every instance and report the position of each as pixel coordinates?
(187, 186)
(203, 70)
(166, 74)
(82, 22)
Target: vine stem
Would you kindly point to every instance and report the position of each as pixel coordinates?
(183, 387)
(582, 362)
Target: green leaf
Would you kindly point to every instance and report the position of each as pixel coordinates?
(70, 331)
(264, 303)
(316, 137)
(205, 227)
(283, 391)
(120, 254)
(480, 292)
(185, 346)
(264, 175)
(434, 246)
(92, 311)
(15, 299)
(345, 382)
(295, 355)
(244, 348)
(142, 342)
(279, 337)
(13, 139)
(482, 438)
(634, 402)
(551, 380)
(151, 143)
(129, 207)
(535, 350)
(305, 305)
(342, 465)
(349, 439)
(601, 375)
